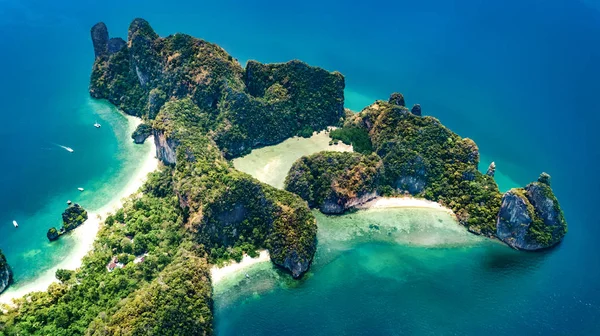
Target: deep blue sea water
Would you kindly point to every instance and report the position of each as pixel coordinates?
(520, 77)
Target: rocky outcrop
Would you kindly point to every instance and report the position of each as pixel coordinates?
(141, 133)
(52, 234)
(115, 44)
(74, 216)
(165, 148)
(6, 276)
(100, 39)
(397, 99)
(416, 110)
(334, 205)
(531, 218)
(491, 171)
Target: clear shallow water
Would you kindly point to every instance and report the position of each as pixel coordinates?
(517, 76)
(385, 271)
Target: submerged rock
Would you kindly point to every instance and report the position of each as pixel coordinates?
(6, 276)
(531, 218)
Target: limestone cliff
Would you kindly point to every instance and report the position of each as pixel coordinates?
(260, 105)
(141, 133)
(5, 273)
(531, 218)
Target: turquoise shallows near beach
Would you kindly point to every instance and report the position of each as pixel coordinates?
(518, 76)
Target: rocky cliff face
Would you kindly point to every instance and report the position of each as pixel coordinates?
(335, 205)
(531, 218)
(165, 148)
(5, 273)
(141, 133)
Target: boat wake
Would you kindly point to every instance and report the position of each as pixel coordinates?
(68, 149)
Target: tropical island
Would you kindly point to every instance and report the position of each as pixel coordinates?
(204, 109)
(72, 217)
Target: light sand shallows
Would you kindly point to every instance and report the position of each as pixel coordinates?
(271, 164)
(219, 273)
(404, 202)
(85, 234)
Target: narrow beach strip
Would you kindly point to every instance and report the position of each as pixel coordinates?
(404, 202)
(85, 235)
(219, 273)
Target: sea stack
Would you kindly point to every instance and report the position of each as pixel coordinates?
(530, 218)
(397, 98)
(100, 39)
(416, 110)
(491, 170)
(5, 273)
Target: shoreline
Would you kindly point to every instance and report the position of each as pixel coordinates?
(219, 273)
(404, 202)
(84, 236)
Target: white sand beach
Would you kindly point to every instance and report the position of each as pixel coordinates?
(219, 273)
(271, 164)
(404, 202)
(85, 234)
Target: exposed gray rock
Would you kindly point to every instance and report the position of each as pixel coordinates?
(491, 170)
(295, 264)
(547, 208)
(334, 205)
(100, 39)
(414, 184)
(514, 220)
(5, 273)
(531, 218)
(416, 110)
(165, 148)
(141, 133)
(397, 99)
(115, 44)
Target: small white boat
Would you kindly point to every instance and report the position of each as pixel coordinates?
(97, 125)
(15, 224)
(69, 149)
(80, 189)
(69, 202)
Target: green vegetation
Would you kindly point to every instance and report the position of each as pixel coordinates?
(334, 178)
(261, 105)
(230, 212)
(549, 225)
(141, 133)
(150, 225)
(148, 273)
(73, 216)
(358, 137)
(420, 156)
